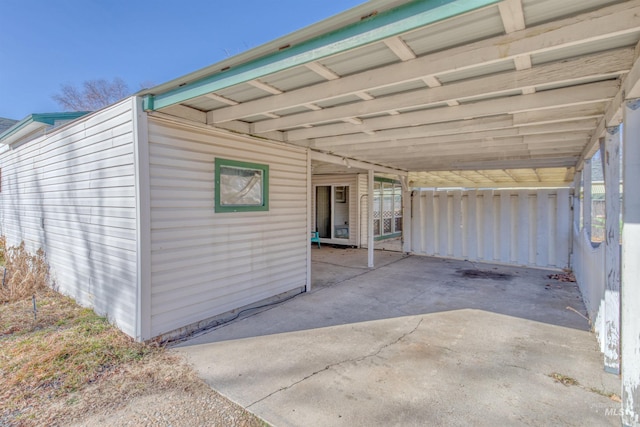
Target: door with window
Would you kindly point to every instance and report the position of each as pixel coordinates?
(332, 211)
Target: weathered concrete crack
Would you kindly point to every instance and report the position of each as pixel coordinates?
(332, 365)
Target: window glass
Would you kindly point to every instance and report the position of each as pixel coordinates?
(241, 186)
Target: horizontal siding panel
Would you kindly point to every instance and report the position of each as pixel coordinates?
(72, 193)
(231, 254)
(190, 313)
(205, 263)
(198, 292)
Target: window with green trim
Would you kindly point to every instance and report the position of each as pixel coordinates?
(241, 186)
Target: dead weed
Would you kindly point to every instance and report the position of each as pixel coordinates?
(24, 274)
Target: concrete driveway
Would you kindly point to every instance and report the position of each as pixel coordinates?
(417, 341)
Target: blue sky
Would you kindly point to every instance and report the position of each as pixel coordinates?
(46, 43)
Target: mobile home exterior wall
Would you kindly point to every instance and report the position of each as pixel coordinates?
(72, 193)
(206, 263)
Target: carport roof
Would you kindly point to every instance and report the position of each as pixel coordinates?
(457, 93)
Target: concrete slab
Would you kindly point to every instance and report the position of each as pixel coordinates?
(414, 342)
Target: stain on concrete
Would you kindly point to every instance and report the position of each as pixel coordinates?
(484, 274)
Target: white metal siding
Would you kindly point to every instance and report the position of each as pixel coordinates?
(522, 227)
(204, 263)
(590, 271)
(351, 181)
(72, 193)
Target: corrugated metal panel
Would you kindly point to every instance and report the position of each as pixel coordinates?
(540, 11)
(479, 71)
(404, 87)
(351, 181)
(576, 50)
(204, 263)
(72, 193)
(361, 59)
(294, 78)
(521, 227)
(243, 93)
(456, 31)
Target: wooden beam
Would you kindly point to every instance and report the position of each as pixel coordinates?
(517, 163)
(565, 97)
(523, 62)
(558, 115)
(222, 99)
(457, 131)
(512, 15)
(432, 81)
(602, 65)
(528, 118)
(265, 87)
(321, 70)
(400, 48)
(338, 160)
(604, 23)
(630, 88)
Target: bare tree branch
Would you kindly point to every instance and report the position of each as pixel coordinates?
(94, 95)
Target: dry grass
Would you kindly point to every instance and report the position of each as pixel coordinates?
(26, 274)
(66, 364)
(64, 349)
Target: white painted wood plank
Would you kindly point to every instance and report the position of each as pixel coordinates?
(505, 226)
(630, 286)
(472, 226)
(523, 227)
(563, 228)
(444, 224)
(565, 97)
(431, 226)
(542, 228)
(456, 226)
(554, 35)
(587, 204)
(488, 224)
(610, 153)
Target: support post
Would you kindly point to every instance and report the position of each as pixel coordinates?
(610, 151)
(370, 240)
(406, 215)
(630, 286)
(586, 200)
(309, 222)
(576, 214)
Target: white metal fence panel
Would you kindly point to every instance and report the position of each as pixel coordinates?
(521, 227)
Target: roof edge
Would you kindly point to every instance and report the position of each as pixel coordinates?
(369, 29)
(34, 122)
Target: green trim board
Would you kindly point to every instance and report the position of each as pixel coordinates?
(221, 207)
(396, 21)
(388, 236)
(389, 180)
(41, 120)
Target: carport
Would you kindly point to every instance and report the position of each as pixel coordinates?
(480, 94)
(417, 341)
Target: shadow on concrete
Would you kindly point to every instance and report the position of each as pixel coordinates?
(345, 291)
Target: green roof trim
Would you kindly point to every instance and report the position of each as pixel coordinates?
(43, 118)
(396, 21)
